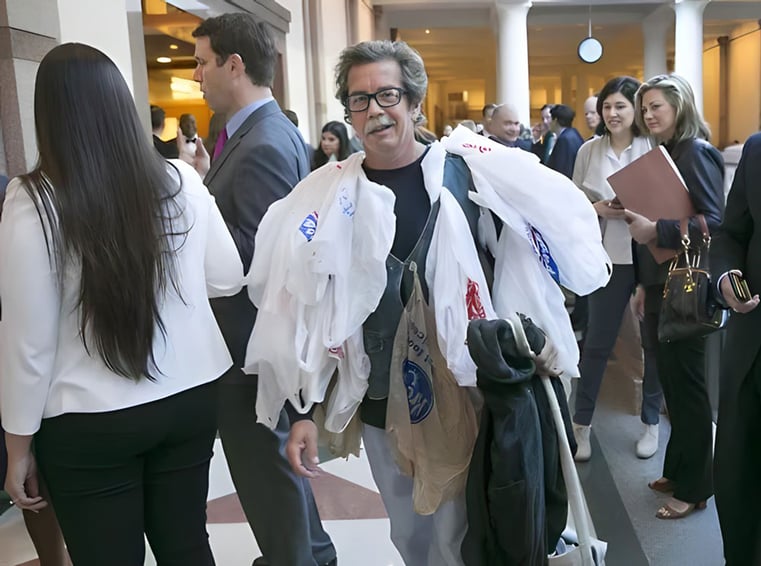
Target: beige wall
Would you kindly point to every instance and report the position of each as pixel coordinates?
(28, 30)
(297, 83)
(438, 98)
(335, 37)
(744, 82)
(365, 21)
(100, 23)
(711, 89)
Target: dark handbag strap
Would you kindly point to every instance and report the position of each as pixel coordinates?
(684, 230)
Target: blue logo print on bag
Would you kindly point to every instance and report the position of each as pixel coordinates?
(542, 251)
(309, 226)
(419, 391)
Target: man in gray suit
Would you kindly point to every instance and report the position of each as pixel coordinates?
(258, 158)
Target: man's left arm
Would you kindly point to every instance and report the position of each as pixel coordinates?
(729, 246)
(265, 176)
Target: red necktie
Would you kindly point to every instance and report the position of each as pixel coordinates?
(221, 140)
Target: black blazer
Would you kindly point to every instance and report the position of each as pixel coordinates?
(516, 499)
(702, 169)
(167, 149)
(737, 245)
(563, 156)
(259, 165)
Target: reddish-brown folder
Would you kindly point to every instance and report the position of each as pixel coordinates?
(652, 186)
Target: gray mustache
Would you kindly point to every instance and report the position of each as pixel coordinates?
(378, 122)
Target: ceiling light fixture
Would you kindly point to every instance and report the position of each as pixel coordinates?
(163, 59)
(427, 31)
(173, 46)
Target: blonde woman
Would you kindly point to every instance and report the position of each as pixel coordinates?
(666, 110)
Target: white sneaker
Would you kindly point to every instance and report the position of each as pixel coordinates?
(583, 446)
(648, 444)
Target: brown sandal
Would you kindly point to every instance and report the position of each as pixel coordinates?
(662, 485)
(668, 512)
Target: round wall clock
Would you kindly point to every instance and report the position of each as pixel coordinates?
(590, 50)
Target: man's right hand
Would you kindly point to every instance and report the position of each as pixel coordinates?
(194, 155)
(729, 296)
(301, 448)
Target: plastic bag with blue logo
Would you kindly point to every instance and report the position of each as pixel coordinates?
(430, 419)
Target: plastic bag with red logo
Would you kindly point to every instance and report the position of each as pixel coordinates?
(430, 419)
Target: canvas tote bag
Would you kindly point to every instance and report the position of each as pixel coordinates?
(430, 419)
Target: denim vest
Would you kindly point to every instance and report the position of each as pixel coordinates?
(380, 327)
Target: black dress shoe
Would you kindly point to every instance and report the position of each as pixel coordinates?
(262, 561)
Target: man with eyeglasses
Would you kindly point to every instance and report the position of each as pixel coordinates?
(381, 85)
(373, 233)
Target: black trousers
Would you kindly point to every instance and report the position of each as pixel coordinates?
(606, 311)
(278, 504)
(738, 468)
(117, 476)
(681, 368)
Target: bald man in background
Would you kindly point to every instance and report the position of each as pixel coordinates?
(505, 127)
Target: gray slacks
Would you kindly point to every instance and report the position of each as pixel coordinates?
(278, 504)
(606, 311)
(422, 540)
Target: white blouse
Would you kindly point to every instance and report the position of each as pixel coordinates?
(595, 162)
(45, 370)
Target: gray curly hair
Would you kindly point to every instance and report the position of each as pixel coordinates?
(414, 78)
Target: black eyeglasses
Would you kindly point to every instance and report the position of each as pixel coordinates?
(385, 98)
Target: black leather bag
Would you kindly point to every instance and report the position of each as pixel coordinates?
(689, 308)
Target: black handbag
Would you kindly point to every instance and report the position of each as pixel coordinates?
(689, 308)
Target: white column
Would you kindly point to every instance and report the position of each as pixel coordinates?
(512, 56)
(654, 28)
(134, 11)
(110, 34)
(688, 44)
(381, 23)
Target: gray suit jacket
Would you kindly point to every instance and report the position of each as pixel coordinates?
(259, 165)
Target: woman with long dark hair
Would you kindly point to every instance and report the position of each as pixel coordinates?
(334, 145)
(109, 351)
(621, 143)
(666, 109)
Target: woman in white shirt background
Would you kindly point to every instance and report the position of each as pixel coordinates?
(109, 351)
(620, 144)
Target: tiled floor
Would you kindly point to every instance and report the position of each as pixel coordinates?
(614, 480)
(346, 495)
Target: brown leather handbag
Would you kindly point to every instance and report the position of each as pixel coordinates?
(689, 308)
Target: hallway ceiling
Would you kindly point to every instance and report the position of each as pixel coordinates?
(462, 40)
(462, 44)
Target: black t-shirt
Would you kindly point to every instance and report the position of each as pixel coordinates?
(412, 204)
(411, 208)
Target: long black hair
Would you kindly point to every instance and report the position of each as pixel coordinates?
(108, 204)
(320, 158)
